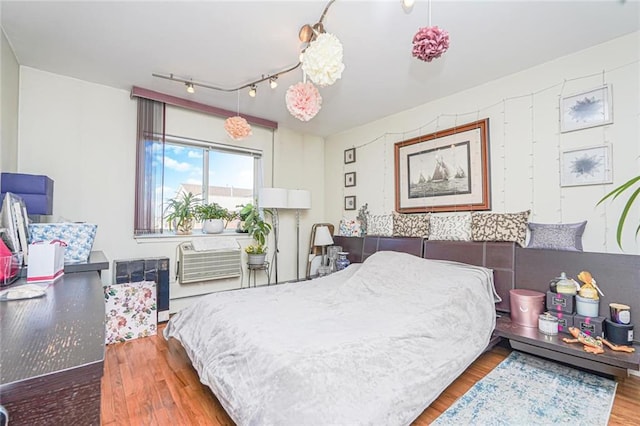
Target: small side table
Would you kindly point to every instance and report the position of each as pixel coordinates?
(253, 269)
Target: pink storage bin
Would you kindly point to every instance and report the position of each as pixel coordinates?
(526, 306)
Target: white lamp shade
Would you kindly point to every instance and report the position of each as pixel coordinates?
(323, 237)
(272, 198)
(299, 199)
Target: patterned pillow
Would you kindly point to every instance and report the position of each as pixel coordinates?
(500, 227)
(450, 227)
(349, 228)
(411, 225)
(560, 236)
(381, 225)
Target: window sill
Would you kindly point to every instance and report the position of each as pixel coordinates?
(151, 238)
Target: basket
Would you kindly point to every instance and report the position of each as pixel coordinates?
(78, 237)
(9, 268)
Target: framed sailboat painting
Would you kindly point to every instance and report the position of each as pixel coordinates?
(444, 171)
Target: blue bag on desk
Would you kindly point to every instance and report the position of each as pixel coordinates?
(78, 237)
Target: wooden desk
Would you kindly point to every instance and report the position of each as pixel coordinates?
(52, 353)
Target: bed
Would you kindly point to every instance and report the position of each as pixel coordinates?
(373, 344)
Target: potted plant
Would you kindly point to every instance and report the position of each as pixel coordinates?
(256, 254)
(259, 230)
(242, 214)
(214, 217)
(181, 212)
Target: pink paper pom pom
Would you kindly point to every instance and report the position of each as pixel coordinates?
(303, 101)
(430, 43)
(237, 127)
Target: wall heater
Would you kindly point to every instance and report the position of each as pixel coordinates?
(152, 269)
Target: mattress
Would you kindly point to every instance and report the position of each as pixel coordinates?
(373, 344)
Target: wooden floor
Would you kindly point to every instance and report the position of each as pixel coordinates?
(151, 382)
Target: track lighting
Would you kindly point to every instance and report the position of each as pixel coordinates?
(307, 34)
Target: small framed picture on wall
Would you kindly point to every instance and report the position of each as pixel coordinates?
(586, 166)
(349, 155)
(350, 179)
(350, 202)
(586, 109)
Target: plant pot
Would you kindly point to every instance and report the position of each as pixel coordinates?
(256, 259)
(185, 228)
(213, 226)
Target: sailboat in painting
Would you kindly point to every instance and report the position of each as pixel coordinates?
(444, 180)
(441, 171)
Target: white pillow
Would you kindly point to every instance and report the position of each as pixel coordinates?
(381, 225)
(349, 228)
(450, 227)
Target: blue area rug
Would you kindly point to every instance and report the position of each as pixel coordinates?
(526, 390)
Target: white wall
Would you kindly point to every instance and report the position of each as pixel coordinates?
(82, 135)
(525, 143)
(9, 71)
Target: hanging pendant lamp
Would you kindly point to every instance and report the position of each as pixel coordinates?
(303, 100)
(430, 42)
(237, 127)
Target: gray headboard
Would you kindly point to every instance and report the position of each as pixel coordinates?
(618, 275)
(498, 256)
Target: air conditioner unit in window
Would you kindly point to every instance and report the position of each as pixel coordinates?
(205, 259)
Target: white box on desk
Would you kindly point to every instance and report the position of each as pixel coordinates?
(131, 311)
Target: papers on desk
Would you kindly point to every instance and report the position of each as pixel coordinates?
(14, 221)
(20, 292)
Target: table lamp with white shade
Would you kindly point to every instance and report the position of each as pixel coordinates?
(323, 239)
(273, 199)
(298, 199)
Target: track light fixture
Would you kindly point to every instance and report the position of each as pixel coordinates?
(307, 34)
(272, 78)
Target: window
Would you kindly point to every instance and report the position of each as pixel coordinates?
(167, 166)
(181, 165)
(229, 175)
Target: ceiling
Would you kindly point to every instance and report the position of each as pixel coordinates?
(231, 43)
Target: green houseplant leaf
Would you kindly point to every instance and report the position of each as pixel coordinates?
(213, 211)
(622, 189)
(256, 227)
(181, 211)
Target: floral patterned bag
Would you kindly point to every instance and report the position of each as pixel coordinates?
(131, 311)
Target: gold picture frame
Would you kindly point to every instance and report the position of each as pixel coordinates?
(444, 171)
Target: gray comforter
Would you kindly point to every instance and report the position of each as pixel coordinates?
(373, 344)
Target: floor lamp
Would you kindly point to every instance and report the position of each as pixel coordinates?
(298, 199)
(273, 199)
